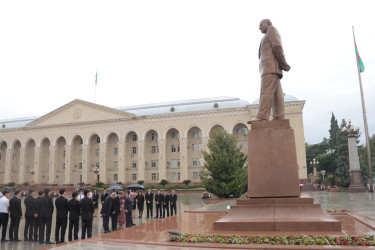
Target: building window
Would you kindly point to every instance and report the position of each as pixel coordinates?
(245, 131)
(174, 176)
(134, 150)
(201, 162)
(195, 175)
(81, 141)
(115, 177)
(134, 177)
(178, 148)
(80, 153)
(154, 164)
(195, 162)
(197, 134)
(179, 176)
(154, 137)
(97, 152)
(115, 165)
(115, 139)
(80, 165)
(98, 139)
(173, 148)
(173, 135)
(135, 138)
(174, 163)
(153, 177)
(134, 164)
(97, 165)
(63, 166)
(178, 163)
(64, 154)
(115, 151)
(154, 149)
(238, 131)
(80, 178)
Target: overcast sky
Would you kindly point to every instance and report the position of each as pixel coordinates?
(158, 51)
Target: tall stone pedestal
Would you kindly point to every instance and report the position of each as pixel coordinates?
(274, 203)
(356, 184)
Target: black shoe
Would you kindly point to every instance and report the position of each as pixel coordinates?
(35, 240)
(133, 224)
(42, 242)
(128, 226)
(4, 240)
(147, 217)
(139, 217)
(17, 240)
(49, 242)
(31, 239)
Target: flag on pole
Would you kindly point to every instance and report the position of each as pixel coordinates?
(96, 78)
(359, 59)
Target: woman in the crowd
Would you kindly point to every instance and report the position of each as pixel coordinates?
(121, 217)
(140, 203)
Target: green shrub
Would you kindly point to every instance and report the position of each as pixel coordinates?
(163, 182)
(186, 182)
(99, 184)
(140, 182)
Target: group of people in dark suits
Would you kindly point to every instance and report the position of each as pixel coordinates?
(38, 216)
(163, 202)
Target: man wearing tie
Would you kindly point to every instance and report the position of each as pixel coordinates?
(158, 201)
(74, 212)
(165, 203)
(149, 200)
(62, 209)
(87, 208)
(15, 216)
(173, 200)
(129, 209)
(29, 217)
(107, 210)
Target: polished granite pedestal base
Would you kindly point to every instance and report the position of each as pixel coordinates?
(277, 214)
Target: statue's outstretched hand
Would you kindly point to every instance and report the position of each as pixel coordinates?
(286, 68)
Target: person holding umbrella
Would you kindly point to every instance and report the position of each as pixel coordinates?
(140, 203)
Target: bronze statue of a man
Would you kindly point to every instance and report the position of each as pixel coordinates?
(271, 65)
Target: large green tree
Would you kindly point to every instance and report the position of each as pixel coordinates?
(224, 172)
(364, 160)
(333, 146)
(342, 157)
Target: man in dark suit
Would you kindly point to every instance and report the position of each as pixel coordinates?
(129, 209)
(87, 208)
(37, 214)
(74, 212)
(95, 200)
(149, 202)
(116, 208)
(158, 201)
(165, 203)
(104, 196)
(272, 63)
(46, 217)
(172, 201)
(62, 209)
(107, 211)
(29, 217)
(15, 216)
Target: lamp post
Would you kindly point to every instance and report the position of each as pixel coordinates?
(323, 172)
(356, 184)
(96, 172)
(314, 164)
(311, 177)
(32, 172)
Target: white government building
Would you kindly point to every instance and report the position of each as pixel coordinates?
(145, 142)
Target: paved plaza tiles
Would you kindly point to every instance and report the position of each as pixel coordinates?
(152, 234)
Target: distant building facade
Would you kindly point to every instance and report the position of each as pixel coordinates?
(127, 144)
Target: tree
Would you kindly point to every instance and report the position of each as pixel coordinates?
(364, 161)
(224, 172)
(99, 184)
(342, 157)
(26, 184)
(140, 182)
(163, 182)
(186, 182)
(333, 145)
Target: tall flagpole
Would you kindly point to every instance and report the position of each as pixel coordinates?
(364, 118)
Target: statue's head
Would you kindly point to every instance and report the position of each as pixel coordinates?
(264, 24)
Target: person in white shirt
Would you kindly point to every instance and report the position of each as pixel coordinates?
(80, 196)
(4, 214)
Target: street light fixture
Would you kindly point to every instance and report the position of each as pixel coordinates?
(323, 172)
(96, 172)
(314, 164)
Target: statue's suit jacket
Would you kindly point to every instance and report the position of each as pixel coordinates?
(271, 54)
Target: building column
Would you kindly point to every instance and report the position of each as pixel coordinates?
(162, 159)
(85, 163)
(103, 163)
(141, 160)
(184, 164)
(21, 172)
(52, 165)
(37, 164)
(8, 167)
(68, 162)
(121, 162)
